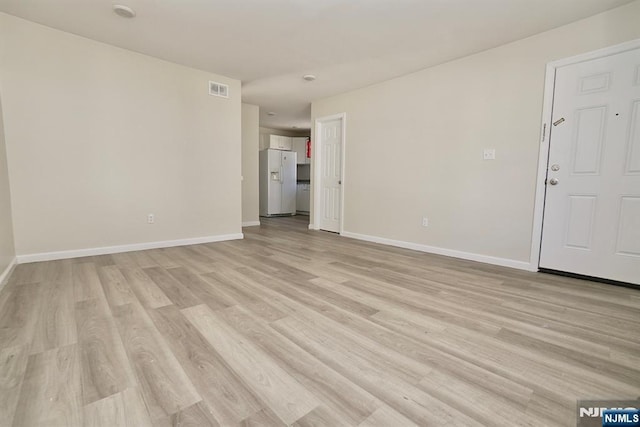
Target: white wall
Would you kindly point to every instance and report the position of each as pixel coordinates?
(7, 250)
(414, 144)
(250, 138)
(98, 137)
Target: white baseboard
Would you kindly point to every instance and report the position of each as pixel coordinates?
(313, 227)
(4, 276)
(51, 256)
(250, 223)
(487, 259)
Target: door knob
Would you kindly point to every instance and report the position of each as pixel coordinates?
(553, 181)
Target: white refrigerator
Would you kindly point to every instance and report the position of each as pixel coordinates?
(277, 182)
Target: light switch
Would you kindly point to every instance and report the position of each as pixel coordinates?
(489, 154)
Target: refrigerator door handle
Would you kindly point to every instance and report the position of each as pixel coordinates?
(281, 174)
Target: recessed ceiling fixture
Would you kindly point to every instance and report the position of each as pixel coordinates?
(271, 113)
(123, 11)
(309, 77)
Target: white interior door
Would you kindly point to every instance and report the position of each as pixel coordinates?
(591, 220)
(331, 175)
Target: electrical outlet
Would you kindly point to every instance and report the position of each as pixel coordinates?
(489, 154)
(151, 219)
(425, 221)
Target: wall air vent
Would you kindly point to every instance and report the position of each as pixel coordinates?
(218, 89)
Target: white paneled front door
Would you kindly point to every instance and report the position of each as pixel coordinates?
(331, 175)
(591, 220)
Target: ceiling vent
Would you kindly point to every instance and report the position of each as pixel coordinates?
(218, 89)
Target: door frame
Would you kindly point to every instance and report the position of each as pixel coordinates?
(316, 183)
(545, 132)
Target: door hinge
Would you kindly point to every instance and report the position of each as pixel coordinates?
(544, 132)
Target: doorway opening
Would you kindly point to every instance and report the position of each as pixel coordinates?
(285, 174)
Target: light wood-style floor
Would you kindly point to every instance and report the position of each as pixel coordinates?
(292, 327)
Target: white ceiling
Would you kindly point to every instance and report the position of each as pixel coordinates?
(270, 44)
